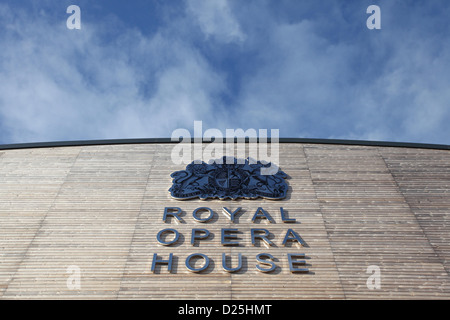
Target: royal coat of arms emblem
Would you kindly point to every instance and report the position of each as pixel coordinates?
(225, 180)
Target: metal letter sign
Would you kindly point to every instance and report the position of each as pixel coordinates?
(227, 181)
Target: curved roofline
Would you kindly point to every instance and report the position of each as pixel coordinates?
(76, 143)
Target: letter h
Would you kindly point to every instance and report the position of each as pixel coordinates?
(156, 262)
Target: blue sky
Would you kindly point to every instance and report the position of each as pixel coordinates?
(141, 69)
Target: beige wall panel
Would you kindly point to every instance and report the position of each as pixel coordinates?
(423, 177)
(99, 208)
(369, 222)
(248, 283)
(30, 180)
(89, 225)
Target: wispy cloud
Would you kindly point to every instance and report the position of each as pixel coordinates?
(309, 70)
(58, 84)
(321, 78)
(216, 19)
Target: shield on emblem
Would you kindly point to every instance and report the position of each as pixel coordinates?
(228, 179)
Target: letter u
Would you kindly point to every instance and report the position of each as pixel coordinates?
(224, 263)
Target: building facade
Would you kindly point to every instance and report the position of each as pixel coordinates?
(96, 220)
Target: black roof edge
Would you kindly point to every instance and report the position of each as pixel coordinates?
(77, 143)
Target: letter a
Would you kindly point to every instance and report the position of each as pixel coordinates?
(74, 21)
(374, 21)
(374, 281)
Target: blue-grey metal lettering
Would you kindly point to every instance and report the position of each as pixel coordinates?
(164, 242)
(199, 269)
(227, 181)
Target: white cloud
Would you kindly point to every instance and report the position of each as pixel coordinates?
(216, 19)
(307, 83)
(60, 84)
(298, 79)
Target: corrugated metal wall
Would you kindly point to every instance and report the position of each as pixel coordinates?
(98, 209)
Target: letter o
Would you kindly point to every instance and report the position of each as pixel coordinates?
(198, 219)
(188, 262)
(167, 243)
